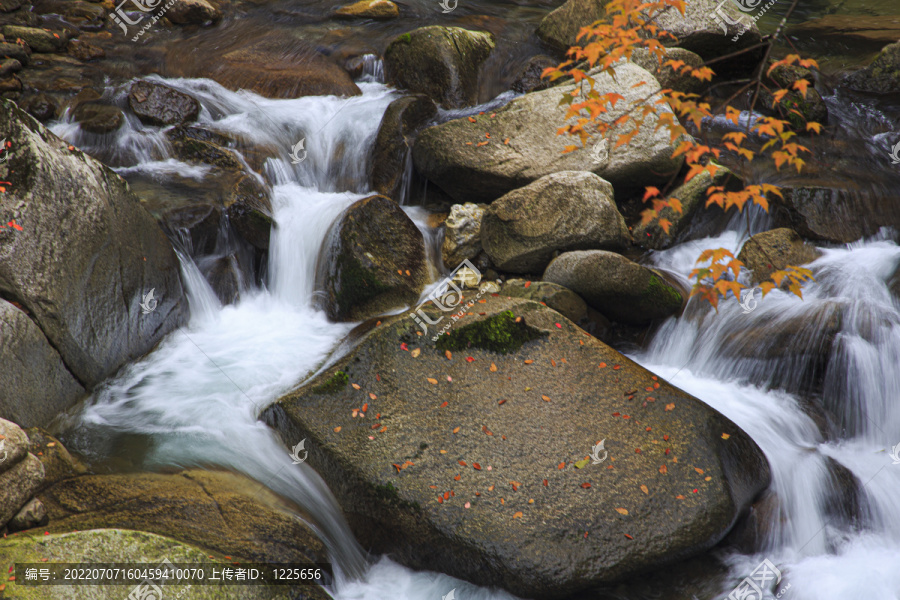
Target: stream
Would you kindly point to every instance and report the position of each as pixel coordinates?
(195, 401)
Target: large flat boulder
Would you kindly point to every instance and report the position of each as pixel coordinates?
(471, 456)
(87, 256)
(523, 144)
(569, 210)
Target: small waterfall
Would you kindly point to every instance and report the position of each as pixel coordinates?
(757, 368)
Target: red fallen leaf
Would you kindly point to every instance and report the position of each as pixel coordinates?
(445, 404)
(493, 115)
(629, 393)
(365, 407)
(626, 416)
(655, 378)
(649, 388)
(585, 534)
(546, 483)
(506, 141)
(529, 361)
(615, 414)
(434, 487)
(448, 354)
(628, 536)
(552, 362)
(558, 325)
(527, 283)
(476, 466)
(637, 450)
(617, 367)
(514, 486)
(651, 399)
(440, 500)
(664, 469)
(457, 478)
(377, 415)
(561, 466)
(470, 359)
(585, 485)
(696, 490)
(648, 429)
(486, 430)
(602, 365)
(403, 346)
(376, 425)
(667, 451)
(396, 466)
(480, 144)
(501, 402)
(679, 497)
(463, 463)
(377, 377)
(446, 495)
(472, 119)
(670, 406)
(502, 437)
(452, 493)
(545, 398)
(666, 437)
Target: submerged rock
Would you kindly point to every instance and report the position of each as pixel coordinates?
(620, 289)
(369, 9)
(569, 210)
(523, 145)
(440, 62)
(87, 256)
(98, 118)
(478, 455)
(880, 77)
(157, 104)
(376, 261)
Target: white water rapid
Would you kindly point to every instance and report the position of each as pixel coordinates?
(198, 396)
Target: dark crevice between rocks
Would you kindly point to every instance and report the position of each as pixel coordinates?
(23, 306)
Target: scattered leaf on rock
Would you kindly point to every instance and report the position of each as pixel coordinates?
(337, 429)
(622, 511)
(582, 463)
(545, 398)
(448, 354)
(670, 406)
(416, 352)
(585, 485)
(517, 515)
(493, 368)
(725, 436)
(645, 490)
(529, 361)
(355, 386)
(664, 469)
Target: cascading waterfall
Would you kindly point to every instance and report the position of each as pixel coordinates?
(197, 398)
(736, 362)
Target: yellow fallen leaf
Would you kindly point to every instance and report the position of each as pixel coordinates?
(622, 511)
(355, 386)
(337, 429)
(432, 381)
(493, 368)
(582, 463)
(518, 515)
(699, 470)
(707, 478)
(456, 430)
(443, 452)
(645, 490)
(416, 352)
(670, 406)
(725, 436)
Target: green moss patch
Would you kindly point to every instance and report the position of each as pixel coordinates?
(335, 383)
(499, 333)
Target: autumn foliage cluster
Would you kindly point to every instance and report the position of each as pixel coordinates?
(631, 24)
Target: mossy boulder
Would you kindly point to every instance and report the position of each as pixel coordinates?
(126, 546)
(811, 107)
(39, 40)
(770, 251)
(198, 145)
(569, 210)
(376, 261)
(692, 195)
(880, 77)
(524, 146)
(440, 62)
(471, 461)
(559, 298)
(94, 117)
(620, 289)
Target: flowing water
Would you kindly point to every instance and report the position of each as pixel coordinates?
(195, 401)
